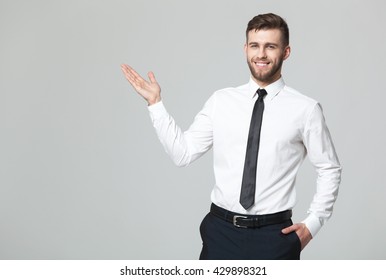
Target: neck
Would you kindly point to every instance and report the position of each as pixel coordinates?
(266, 83)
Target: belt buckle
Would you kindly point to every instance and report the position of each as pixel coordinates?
(235, 217)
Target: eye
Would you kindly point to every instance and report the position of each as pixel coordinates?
(271, 47)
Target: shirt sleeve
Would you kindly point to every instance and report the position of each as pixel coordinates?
(322, 155)
(183, 147)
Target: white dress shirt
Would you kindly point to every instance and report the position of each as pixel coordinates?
(293, 126)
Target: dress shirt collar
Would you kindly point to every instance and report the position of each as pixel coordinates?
(272, 89)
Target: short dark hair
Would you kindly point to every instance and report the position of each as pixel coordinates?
(269, 21)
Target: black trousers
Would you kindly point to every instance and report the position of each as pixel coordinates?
(224, 241)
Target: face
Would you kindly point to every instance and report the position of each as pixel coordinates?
(265, 55)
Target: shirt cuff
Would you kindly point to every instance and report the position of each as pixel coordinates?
(157, 110)
(313, 224)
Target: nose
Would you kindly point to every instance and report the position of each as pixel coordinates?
(261, 53)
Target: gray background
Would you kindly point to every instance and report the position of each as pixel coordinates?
(82, 173)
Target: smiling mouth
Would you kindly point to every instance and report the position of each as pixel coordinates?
(261, 64)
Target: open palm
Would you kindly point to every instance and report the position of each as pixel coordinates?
(149, 90)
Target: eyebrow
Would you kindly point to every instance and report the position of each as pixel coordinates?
(268, 43)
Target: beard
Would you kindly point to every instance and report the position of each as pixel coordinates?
(266, 77)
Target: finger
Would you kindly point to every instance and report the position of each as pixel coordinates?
(152, 77)
(289, 229)
(133, 77)
(129, 77)
(126, 72)
(125, 68)
(134, 74)
(131, 73)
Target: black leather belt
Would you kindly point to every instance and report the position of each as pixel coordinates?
(250, 221)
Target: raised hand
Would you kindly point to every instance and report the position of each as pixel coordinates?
(149, 90)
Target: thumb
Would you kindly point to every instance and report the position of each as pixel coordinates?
(151, 77)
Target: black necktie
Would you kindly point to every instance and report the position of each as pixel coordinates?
(248, 185)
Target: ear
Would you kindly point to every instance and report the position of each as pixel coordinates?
(245, 47)
(287, 52)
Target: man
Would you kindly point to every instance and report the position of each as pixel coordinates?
(260, 133)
